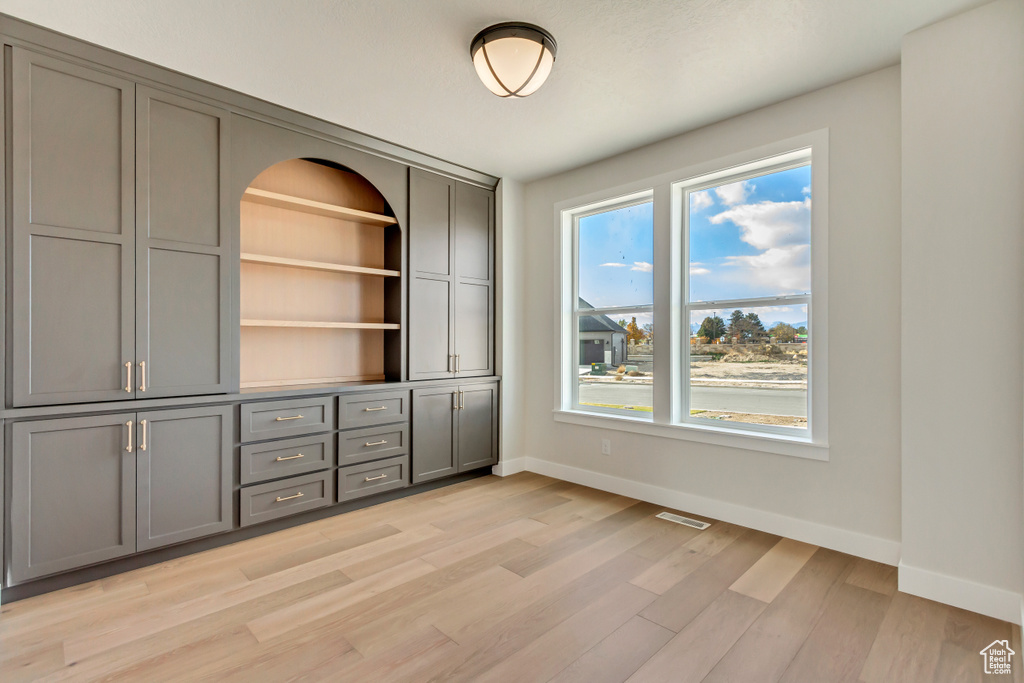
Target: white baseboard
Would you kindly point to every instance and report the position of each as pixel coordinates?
(851, 542)
(507, 467)
(976, 597)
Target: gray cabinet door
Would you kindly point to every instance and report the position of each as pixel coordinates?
(434, 432)
(72, 494)
(182, 251)
(184, 475)
(432, 280)
(474, 289)
(478, 426)
(73, 234)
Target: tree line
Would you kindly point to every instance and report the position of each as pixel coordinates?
(747, 327)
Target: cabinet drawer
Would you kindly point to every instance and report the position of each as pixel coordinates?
(285, 458)
(373, 443)
(363, 410)
(374, 477)
(287, 497)
(294, 417)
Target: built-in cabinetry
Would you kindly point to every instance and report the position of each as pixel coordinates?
(451, 313)
(88, 489)
(220, 313)
(455, 430)
(119, 270)
(368, 455)
(318, 247)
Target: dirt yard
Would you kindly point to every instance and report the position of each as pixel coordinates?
(711, 373)
(783, 420)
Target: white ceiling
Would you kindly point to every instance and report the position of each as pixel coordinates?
(628, 72)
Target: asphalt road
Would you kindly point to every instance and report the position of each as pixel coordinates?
(741, 400)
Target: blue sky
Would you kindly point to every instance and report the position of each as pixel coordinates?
(616, 255)
(751, 238)
(747, 239)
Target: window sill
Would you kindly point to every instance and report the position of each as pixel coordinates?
(765, 443)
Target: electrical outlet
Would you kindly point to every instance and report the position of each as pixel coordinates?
(606, 446)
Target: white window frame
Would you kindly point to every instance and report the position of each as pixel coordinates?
(634, 199)
(671, 267)
(681, 192)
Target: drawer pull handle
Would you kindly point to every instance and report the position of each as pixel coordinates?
(376, 443)
(142, 423)
(373, 410)
(130, 442)
(142, 374)
(282, 458)
(279, 499)
(293, 417)
(379, 476)
(128, 386)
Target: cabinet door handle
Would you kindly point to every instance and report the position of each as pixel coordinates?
(455, 400)
(462, 399)
(282, 458)
(131, 441)
(128, 386)
(142, 424)
(379, 476)
(279, 499)
(376, 443)
(293, 417)
(458, 363)
(451, 363)
(142, 376)
(371, 410)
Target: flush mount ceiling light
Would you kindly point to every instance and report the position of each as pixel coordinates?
(513, 59)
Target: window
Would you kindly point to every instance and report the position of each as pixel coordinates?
(614, 306)
(728, 262)
(746, 296)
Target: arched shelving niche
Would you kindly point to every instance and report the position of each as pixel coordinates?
(320, 277)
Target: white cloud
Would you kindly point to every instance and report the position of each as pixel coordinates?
(734, 193)
(779, 270)
(768, 225)
(642, 267)
(614, 265)
(700, 200)
(806, 190)
(696, 269)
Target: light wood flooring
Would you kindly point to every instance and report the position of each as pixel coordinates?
(518, 579)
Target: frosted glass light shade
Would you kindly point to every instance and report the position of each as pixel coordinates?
(513, 59)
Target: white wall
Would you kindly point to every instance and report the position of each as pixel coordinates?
(510, 330)
(851, 502)
(963, 268)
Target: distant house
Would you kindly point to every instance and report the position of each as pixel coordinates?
(602, 340)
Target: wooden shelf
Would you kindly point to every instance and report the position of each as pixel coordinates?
(285, 201)
(322, 325)
(311, 380)
(317, 265)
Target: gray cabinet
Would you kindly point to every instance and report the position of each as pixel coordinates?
(72, 493)
(455, 429)
(182, 273)
(474, 281)
(73, 237)
(432, 281)
(184, 475)
(478, 426)
(434, 433)
(120, 282)
(451, 314)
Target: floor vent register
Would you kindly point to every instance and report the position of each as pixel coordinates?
(679, 519)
